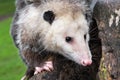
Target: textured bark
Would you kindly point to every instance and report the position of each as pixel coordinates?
(107, 14)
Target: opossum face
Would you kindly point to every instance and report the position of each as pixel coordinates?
(69, 36)
(64, 30)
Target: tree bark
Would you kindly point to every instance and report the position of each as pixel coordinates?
(107, 14)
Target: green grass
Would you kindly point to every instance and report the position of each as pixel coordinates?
(11, 66)
(7, 7)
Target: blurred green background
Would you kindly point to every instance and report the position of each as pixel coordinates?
(11, 66)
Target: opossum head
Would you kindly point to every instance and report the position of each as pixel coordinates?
(62, 26)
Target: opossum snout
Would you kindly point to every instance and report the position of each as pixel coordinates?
(80, 52)
(86, 62)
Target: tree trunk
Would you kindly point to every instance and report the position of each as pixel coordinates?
(107, 14)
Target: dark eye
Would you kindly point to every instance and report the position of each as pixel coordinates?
(68, 39)
(85, 36)
(49, 16)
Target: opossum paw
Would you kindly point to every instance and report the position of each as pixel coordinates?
(47, 66)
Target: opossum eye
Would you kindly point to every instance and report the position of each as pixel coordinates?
(68, 39)
(49, 16)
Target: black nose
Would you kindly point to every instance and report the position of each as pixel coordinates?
(68, 39)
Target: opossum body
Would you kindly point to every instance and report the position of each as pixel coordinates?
(42, 28)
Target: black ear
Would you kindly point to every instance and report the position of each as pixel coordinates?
(49, 16)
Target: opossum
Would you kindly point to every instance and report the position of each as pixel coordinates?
(42, 28)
